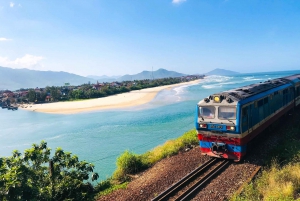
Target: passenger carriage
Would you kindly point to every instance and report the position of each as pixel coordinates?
(227, 122)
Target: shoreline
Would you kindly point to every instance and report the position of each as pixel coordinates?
(123, 100)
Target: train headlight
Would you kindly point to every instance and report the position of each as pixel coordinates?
(217, 99)
(203, 125)
(230, 128)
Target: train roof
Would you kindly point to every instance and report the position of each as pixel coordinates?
(253, 89)
(293, 78)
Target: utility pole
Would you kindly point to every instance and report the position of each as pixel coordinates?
(152, 73)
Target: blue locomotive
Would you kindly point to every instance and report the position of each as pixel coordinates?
(228, 121)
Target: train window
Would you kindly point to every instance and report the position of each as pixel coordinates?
(266, 100)
(260, 103)
(227, 113)
(207, 112)
(276, 93)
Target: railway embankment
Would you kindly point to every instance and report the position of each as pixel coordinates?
(280, 175)
(277, 151)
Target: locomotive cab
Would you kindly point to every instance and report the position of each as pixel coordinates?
(216, 123)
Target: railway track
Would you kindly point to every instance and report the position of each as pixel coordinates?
(194, 181)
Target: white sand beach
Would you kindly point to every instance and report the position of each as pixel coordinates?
(128, 99)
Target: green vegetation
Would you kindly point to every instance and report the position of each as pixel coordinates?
(280, 180)
(106, 187)
(87, 91)
(130, 163)
(38, 176)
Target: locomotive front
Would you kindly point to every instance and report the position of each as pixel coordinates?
(217, 125)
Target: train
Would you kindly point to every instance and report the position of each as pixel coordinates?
(227, 122)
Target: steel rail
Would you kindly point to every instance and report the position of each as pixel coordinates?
(202, 182)
(182, 182)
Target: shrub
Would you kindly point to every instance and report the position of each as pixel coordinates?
(128, 163)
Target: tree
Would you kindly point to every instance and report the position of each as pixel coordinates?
(31, 95)
(37, 176)
(55, 93)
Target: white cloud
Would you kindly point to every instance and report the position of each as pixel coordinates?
(11, 4)
(177, 1)
(27, 61)
(4, 39)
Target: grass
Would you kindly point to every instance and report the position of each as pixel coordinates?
(106, 187)
(280, 179)
(130, 163)
(275, 183)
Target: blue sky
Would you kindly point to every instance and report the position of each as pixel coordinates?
(110, 37)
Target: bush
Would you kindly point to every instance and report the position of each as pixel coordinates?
(128, 163)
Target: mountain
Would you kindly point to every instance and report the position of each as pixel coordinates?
(160, 73)
(219, 71)
(24, 78)
(104, 78)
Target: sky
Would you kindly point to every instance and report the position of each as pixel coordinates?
(114, 37)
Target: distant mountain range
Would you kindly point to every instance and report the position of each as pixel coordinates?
(160, 73)
(24, 78)
(219, 71)
(104, 78)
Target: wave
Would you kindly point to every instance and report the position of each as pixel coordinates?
(248, 78)
(55, 137)
(252, 79)
(216, 78)
(18, 145)
(212, 86)
(180, 89)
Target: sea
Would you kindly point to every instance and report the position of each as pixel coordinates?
(100, 137)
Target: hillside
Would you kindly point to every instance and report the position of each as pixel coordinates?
(160, 73)
(219, 71)
(104, 78)
(24, 78)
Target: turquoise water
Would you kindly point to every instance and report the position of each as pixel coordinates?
(101, 136)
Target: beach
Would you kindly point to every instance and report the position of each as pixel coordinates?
(128, 99)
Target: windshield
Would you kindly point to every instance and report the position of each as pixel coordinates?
(227, 113)
(207, 112)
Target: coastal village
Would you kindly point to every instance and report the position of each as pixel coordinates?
(25, 97)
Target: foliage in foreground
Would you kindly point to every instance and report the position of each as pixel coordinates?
(281, 181)
(276, 183)
(37, 176)
(130, 163)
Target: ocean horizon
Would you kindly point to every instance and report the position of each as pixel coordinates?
(99, 137)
